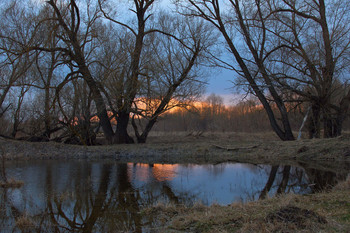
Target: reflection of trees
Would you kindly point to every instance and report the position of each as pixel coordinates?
(113, 206)
(269, 182)
(108, 197)
(93, 199)
(285, 178)
(16, 219)
(323, 180)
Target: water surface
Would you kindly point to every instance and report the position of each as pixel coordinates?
(66, 196)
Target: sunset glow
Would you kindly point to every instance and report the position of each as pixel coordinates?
(144, 172)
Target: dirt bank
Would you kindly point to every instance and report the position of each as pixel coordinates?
(182, 148)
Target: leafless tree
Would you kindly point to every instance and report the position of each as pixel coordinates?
(313, 38)
(173, 77)
(130, 81)
(78, 33)
(236, 22)
(14, 24)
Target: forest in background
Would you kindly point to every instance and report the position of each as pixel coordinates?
(212, 115)
(73, 68)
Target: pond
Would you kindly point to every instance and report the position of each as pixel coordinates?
(64, 196)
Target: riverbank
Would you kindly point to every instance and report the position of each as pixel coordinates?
(321, 212)
(184, 148)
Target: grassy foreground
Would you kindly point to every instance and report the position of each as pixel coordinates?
(321, 212)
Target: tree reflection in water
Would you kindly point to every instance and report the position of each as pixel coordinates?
(110, 197)
(306, 180)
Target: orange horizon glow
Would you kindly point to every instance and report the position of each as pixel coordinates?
(175, 106)
(160, 172)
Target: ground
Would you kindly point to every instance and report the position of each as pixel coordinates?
(323, 212)
(192, 148)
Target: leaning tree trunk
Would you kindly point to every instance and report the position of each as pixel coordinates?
(285, 178)
(76, 53)
(141, 138)
(269, 183)
(285, 132)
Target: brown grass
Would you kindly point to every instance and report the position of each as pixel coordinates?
(185, 148)
(322, 212)
(251, 148)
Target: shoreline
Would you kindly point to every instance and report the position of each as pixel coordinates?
(327, 211)
(212, 149)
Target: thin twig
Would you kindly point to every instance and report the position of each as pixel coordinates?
(235, 148)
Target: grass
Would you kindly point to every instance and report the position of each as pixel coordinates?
(185, 148)
(322, 212)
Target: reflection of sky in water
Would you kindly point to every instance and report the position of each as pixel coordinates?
(121, 190)
(222, 183)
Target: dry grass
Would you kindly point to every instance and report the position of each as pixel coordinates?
(189, 148)
(322, 212)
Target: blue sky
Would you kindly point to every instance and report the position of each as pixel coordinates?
(220, 83)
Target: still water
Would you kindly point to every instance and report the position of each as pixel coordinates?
(65, 196)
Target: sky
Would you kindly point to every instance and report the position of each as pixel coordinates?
(220, 83)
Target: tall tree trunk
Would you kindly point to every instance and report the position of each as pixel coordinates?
(314, 122)
(341, 114)
(132, 82)
(100, 104)
(121, 134)
(258, 58)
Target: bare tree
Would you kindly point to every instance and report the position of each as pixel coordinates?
(313, 39)
(131, 76)
(253, 68)
(173, 77)
(77, 33)
(14, 24)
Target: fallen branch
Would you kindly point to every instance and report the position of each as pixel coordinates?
(236, 148)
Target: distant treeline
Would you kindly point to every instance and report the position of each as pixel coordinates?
(246, 116)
